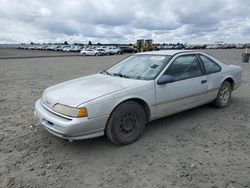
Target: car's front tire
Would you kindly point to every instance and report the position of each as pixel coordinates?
(223, 98)
(126, 123)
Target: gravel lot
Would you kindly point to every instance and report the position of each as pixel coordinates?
(6, 53)
(202, 147)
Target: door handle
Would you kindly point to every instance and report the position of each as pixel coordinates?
(204, 81)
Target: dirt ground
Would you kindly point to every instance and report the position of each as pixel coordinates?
(202, 147)
(6, 53)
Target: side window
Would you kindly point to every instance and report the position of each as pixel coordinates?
(184, 67)
(210, 65)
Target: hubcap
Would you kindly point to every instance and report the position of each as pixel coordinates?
(224, 95)
(128, 124)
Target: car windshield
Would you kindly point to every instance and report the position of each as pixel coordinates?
(145, 67)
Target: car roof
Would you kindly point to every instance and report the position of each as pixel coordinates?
(166, 52)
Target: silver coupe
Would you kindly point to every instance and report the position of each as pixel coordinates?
(119, 101)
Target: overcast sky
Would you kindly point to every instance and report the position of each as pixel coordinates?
(118, 21)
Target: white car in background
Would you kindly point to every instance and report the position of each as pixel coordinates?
(111, 50)
(102, 51)
(90, 52)
(66, 48)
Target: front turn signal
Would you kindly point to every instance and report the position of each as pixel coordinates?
(82, 112)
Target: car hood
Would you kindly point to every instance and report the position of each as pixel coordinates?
(75, 92)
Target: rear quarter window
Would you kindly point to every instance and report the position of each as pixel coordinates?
(210, 65)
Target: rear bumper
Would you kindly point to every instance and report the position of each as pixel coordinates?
(70, 128)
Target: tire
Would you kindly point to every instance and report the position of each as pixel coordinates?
(223, 98)
(126, 123)
(84, 54)
(96, 54)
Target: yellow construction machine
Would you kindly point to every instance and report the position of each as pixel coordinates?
(145, 45)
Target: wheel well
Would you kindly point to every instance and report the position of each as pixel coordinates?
(231, 81)
(143, 104)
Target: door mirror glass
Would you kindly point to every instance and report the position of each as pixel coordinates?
(165, 79)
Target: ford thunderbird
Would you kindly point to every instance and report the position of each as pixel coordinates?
(119, 101)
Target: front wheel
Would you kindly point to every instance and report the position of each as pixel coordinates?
(126, 123)
(224, 95)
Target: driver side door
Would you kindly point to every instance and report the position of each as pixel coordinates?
(186, 91)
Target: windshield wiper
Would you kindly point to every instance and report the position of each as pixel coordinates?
(115, 74)
(106, 72)
(121, 75)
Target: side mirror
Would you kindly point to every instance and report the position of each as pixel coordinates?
(165, 79)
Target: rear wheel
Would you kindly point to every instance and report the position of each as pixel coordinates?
(224, 95)
(126, 123)
(84, 54)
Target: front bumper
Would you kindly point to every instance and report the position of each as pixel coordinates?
(70, 128)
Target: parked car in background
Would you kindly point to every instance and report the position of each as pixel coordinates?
(239, 46)
(246, 45)
(145, 86)
(166, 47)
(209, 46)
(78, 48)
(112, 50)
(179, 46)
(59, 48)
(67, 48)
(90, 52)
(127, 49)
(195, 46)
(229, 46)
(102, 51)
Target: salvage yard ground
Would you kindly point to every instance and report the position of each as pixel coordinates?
(202, 147)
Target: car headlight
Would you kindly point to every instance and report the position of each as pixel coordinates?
(70, 111)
